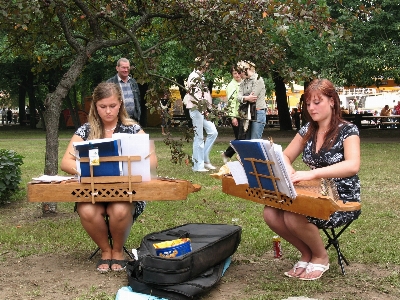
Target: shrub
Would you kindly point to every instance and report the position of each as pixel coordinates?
(10, 173)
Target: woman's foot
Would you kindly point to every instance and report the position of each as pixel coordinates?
(314, 271)
(103, 265)
(209, 166)
(118, 261)
(118, 265)
(225, 158)
(297, 269)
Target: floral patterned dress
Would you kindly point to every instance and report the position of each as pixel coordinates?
(348, 188)
(84, 131)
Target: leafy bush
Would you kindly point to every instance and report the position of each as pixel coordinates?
(10, 173)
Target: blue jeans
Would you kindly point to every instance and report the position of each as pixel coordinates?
(257, 128)
(201, 149)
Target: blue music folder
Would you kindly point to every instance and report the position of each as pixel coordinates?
(106, 147)
(254, 149)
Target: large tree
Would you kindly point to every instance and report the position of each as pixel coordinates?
(224, 30)
(371, 50)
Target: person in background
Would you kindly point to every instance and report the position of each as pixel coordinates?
(107, 115)
(9, 116)
(296, 116)
(28, 114)
(232, 91)
(165, 105)
(396, 110)
(252, 90)
(352, 107)
(129, 87)
(4, 116)
(330, 146)
(386, 111)
(198, 109)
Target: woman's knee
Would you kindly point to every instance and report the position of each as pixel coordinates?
(295, 221)
(271, 215)
(89, 211)
(120, 211)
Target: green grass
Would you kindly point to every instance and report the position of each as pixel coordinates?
(373, 240)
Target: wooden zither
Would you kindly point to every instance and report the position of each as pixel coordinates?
(111, 188)
(73, 191)
(314, 198)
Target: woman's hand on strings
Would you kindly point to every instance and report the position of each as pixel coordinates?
(302, 176)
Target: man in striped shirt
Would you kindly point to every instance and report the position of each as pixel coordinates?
(129, 87)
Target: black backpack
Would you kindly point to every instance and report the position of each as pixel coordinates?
(187, 275)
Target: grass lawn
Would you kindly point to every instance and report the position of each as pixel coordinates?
(371, 244)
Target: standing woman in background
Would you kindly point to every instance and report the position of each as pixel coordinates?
(252, 94)
(232, 91)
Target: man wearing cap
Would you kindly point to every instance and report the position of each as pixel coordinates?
(129, 87)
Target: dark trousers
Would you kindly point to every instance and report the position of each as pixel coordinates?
(229, 152)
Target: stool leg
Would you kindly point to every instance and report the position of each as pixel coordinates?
(94, 253)
(333, 239)
(129, 253)
(340, 256)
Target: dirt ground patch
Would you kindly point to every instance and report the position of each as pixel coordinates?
(64, 276)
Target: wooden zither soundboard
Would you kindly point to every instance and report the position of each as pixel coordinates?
(308, 202)
(73, 191)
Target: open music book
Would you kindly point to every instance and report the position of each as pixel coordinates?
(263, 150)
(106, 147)
(285, 185)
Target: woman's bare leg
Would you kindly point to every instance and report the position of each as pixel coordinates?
(92, 220)
(276, 220)
(120, 222)
(309, 234)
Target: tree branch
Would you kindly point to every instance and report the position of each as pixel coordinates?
(92, 20)
(67, 32)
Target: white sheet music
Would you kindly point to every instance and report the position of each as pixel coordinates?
(277, 156)
(54, 178)
(238, 173)
(136, 145)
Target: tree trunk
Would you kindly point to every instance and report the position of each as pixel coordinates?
(285, 123)
(304, 112)
(143, 108)
(52, 113)
(21, 103)
(76, 106)
(32, 101)
(73, 110)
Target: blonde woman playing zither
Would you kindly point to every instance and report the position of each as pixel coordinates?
(107, 116)
(330, 146)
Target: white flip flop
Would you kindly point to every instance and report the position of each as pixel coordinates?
(298, 265)
(315, 267)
